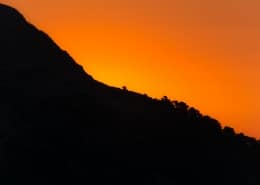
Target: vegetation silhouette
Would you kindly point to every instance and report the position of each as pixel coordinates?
(60, 126)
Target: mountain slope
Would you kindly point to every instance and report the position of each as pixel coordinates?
(31, 62)
(60, 126)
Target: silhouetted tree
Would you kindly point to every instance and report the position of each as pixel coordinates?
(228, 131)
(124, 88)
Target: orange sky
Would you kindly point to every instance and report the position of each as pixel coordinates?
(203, 52)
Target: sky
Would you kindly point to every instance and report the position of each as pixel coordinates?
(206, 53)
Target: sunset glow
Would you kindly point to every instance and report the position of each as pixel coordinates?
(206, 53)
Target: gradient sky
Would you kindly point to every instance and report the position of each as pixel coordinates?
(206, 53)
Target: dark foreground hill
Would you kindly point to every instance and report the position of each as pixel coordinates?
(60, 126)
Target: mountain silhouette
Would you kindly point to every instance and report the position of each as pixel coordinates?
(58, 125)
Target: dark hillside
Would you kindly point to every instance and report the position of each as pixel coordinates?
(60, 126)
